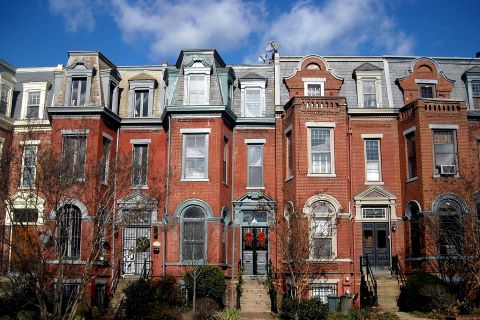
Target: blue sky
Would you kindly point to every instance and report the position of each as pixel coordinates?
(40, 32)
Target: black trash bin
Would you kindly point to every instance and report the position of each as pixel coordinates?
(333, 303)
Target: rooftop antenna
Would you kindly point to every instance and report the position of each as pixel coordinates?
(271, 49)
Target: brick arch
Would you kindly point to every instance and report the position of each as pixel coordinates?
(424, 69)
(313, 67)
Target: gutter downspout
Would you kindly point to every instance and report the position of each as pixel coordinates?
(350, 192)
(165, 213)
(232, 214)
(115, 197)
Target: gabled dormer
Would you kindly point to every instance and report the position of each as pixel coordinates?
(197, 82)
(369, 86)
(7, 83)
(78, 84)
(472, 81)
(425, 80)
(313, 77)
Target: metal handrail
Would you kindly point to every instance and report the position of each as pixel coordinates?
(370, 280)
(397, 270)
(146, 272)
(116, 276)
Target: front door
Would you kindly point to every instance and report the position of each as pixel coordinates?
(255, 250)
(136, 249)
(376, 244)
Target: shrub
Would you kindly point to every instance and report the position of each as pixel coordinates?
(313, 309)
(416, 294)
(228, 314)
(146, 299)
(210, 283)
(363, 315)
(206, 309)
(288, 309)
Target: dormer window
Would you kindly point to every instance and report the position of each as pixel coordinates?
(476, 94)
(34, 100)
(4, 100)
(197, 84)
(253, 97)
(314, 87)
(141, 95)
(426, 91)
(110, 80)
(369, 86)
(79, 82)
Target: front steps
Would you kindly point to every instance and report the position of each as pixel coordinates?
(255, 301)
(388, 291)
(118, 297)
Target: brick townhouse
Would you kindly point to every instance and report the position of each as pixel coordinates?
(223, 154)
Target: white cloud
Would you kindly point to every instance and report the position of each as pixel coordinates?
(344, 27)
(76, 14)
(168, 26)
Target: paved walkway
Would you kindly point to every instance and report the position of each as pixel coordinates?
(255, 316)
(408, 316)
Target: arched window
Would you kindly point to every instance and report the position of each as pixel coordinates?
(194, 229)
(450, 227)
(321, 230)
(69, 231)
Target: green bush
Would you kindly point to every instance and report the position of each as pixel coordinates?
(228, 314)
(312, 309)
(210, 284)
(206, 309)
(417, 294)
(147, 299)
(363, 315)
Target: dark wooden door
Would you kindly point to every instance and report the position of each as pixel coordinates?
(376, 245)
(255, 250)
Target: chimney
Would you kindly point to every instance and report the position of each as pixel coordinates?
(477, 55)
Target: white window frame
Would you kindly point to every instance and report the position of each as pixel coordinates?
(9, 88)
(33, 87)
(260, 143)
(471, 78)
(200, 131)
(321, 126)
(330, 219)
(29, 144)
(308, 81)
(373, 75)
(454, 129)
(141, 85)
(245, 86)
(377, 138)
(330, 283)
(23, 200)
(197, 68)
(79, 69)
(135, 143)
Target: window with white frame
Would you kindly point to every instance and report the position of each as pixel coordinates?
(74, 152)
(372, 160)
(4, 99)
(321, 230)
(314, 87)
(445, 151)
(34, 99)
(321, 150)
(141, 93)
(194, 234)
(197, 83)
(255, 165)
(253, 97)
(104, 169)
(69, 231)
(78, 91)
(195, 156)
(29, 166)
(369, 93)
(322, 291)
(140, 165)
(476, 94)
(374, 213)
(369, 86)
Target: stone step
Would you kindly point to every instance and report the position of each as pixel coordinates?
(244, 315)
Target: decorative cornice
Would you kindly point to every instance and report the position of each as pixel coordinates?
(105, 114)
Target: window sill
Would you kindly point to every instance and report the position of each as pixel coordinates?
(194, 180)
(67, 261)
(322, 175)
(26, 188)
(288, 178)
(446, 176)
(374, 183)
(323, 260)
(139, 188)
(411, 179)
(255, 188)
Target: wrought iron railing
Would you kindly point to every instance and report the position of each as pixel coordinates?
(368, 284)
(146, 269)
(397, 271)
(116, 276)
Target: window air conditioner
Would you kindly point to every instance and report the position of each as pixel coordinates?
(447, 169)
(447, 250)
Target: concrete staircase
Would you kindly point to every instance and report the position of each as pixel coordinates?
(255, 301)
(117, 297)
(387, 292)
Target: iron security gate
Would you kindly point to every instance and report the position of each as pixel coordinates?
(136, 243)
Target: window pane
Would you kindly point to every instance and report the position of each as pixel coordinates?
(25, 215)
(196, 89)
(140, 162)
(322, 248)
(476, 88)
(79, 90)
(3, 100)
(372, 159)
(195, 156)
(255, 165)
(412, 155)
(29, 162)
(253, 103)
(314, 89)
(445, 149)
(426, 92)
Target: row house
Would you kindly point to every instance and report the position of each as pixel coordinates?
(203, 162)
